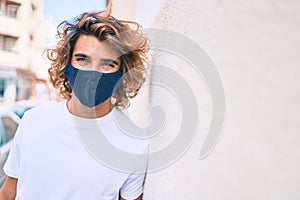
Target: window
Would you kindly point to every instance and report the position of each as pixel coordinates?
(1, 7)
(1, 42)
(33, 7)
(10, 43)
(2, 87)
(7, 43)
(31, 37)
(12, 9)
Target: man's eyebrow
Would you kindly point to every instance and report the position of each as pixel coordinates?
(110, 61)
(81, 55)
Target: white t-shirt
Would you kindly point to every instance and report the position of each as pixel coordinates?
(51, 163)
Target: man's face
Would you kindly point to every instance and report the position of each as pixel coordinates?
(91, 54)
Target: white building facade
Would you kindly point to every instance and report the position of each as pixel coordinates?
(22, 33)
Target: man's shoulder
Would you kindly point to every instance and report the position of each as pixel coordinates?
(45, 110)
(128, 125)
(131, 135)
(37, 120)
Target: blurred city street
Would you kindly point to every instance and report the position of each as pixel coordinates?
(23, 69)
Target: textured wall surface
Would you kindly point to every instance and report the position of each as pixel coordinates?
(255, 46)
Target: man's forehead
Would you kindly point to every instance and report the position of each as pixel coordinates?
(91, 46)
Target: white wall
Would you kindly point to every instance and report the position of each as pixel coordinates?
(255, 46)
(146, 11)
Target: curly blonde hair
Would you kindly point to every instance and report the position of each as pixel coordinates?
(124, 36)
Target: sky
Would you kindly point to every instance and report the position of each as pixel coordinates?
(57, 11)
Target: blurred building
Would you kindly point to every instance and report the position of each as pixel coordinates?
(22, 40)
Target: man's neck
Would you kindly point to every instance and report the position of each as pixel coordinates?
(79, 110)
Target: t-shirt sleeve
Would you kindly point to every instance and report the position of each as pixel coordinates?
(133, 186)
(12, 164)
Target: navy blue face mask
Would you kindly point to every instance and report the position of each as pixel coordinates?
(92, 87)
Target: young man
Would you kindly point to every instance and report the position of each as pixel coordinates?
(97, 65)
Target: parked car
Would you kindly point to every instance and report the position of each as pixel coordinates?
(9, 122)
(20, 111)
(20, 107)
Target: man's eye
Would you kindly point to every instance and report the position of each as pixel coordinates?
(82, 59)
(108, 65)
